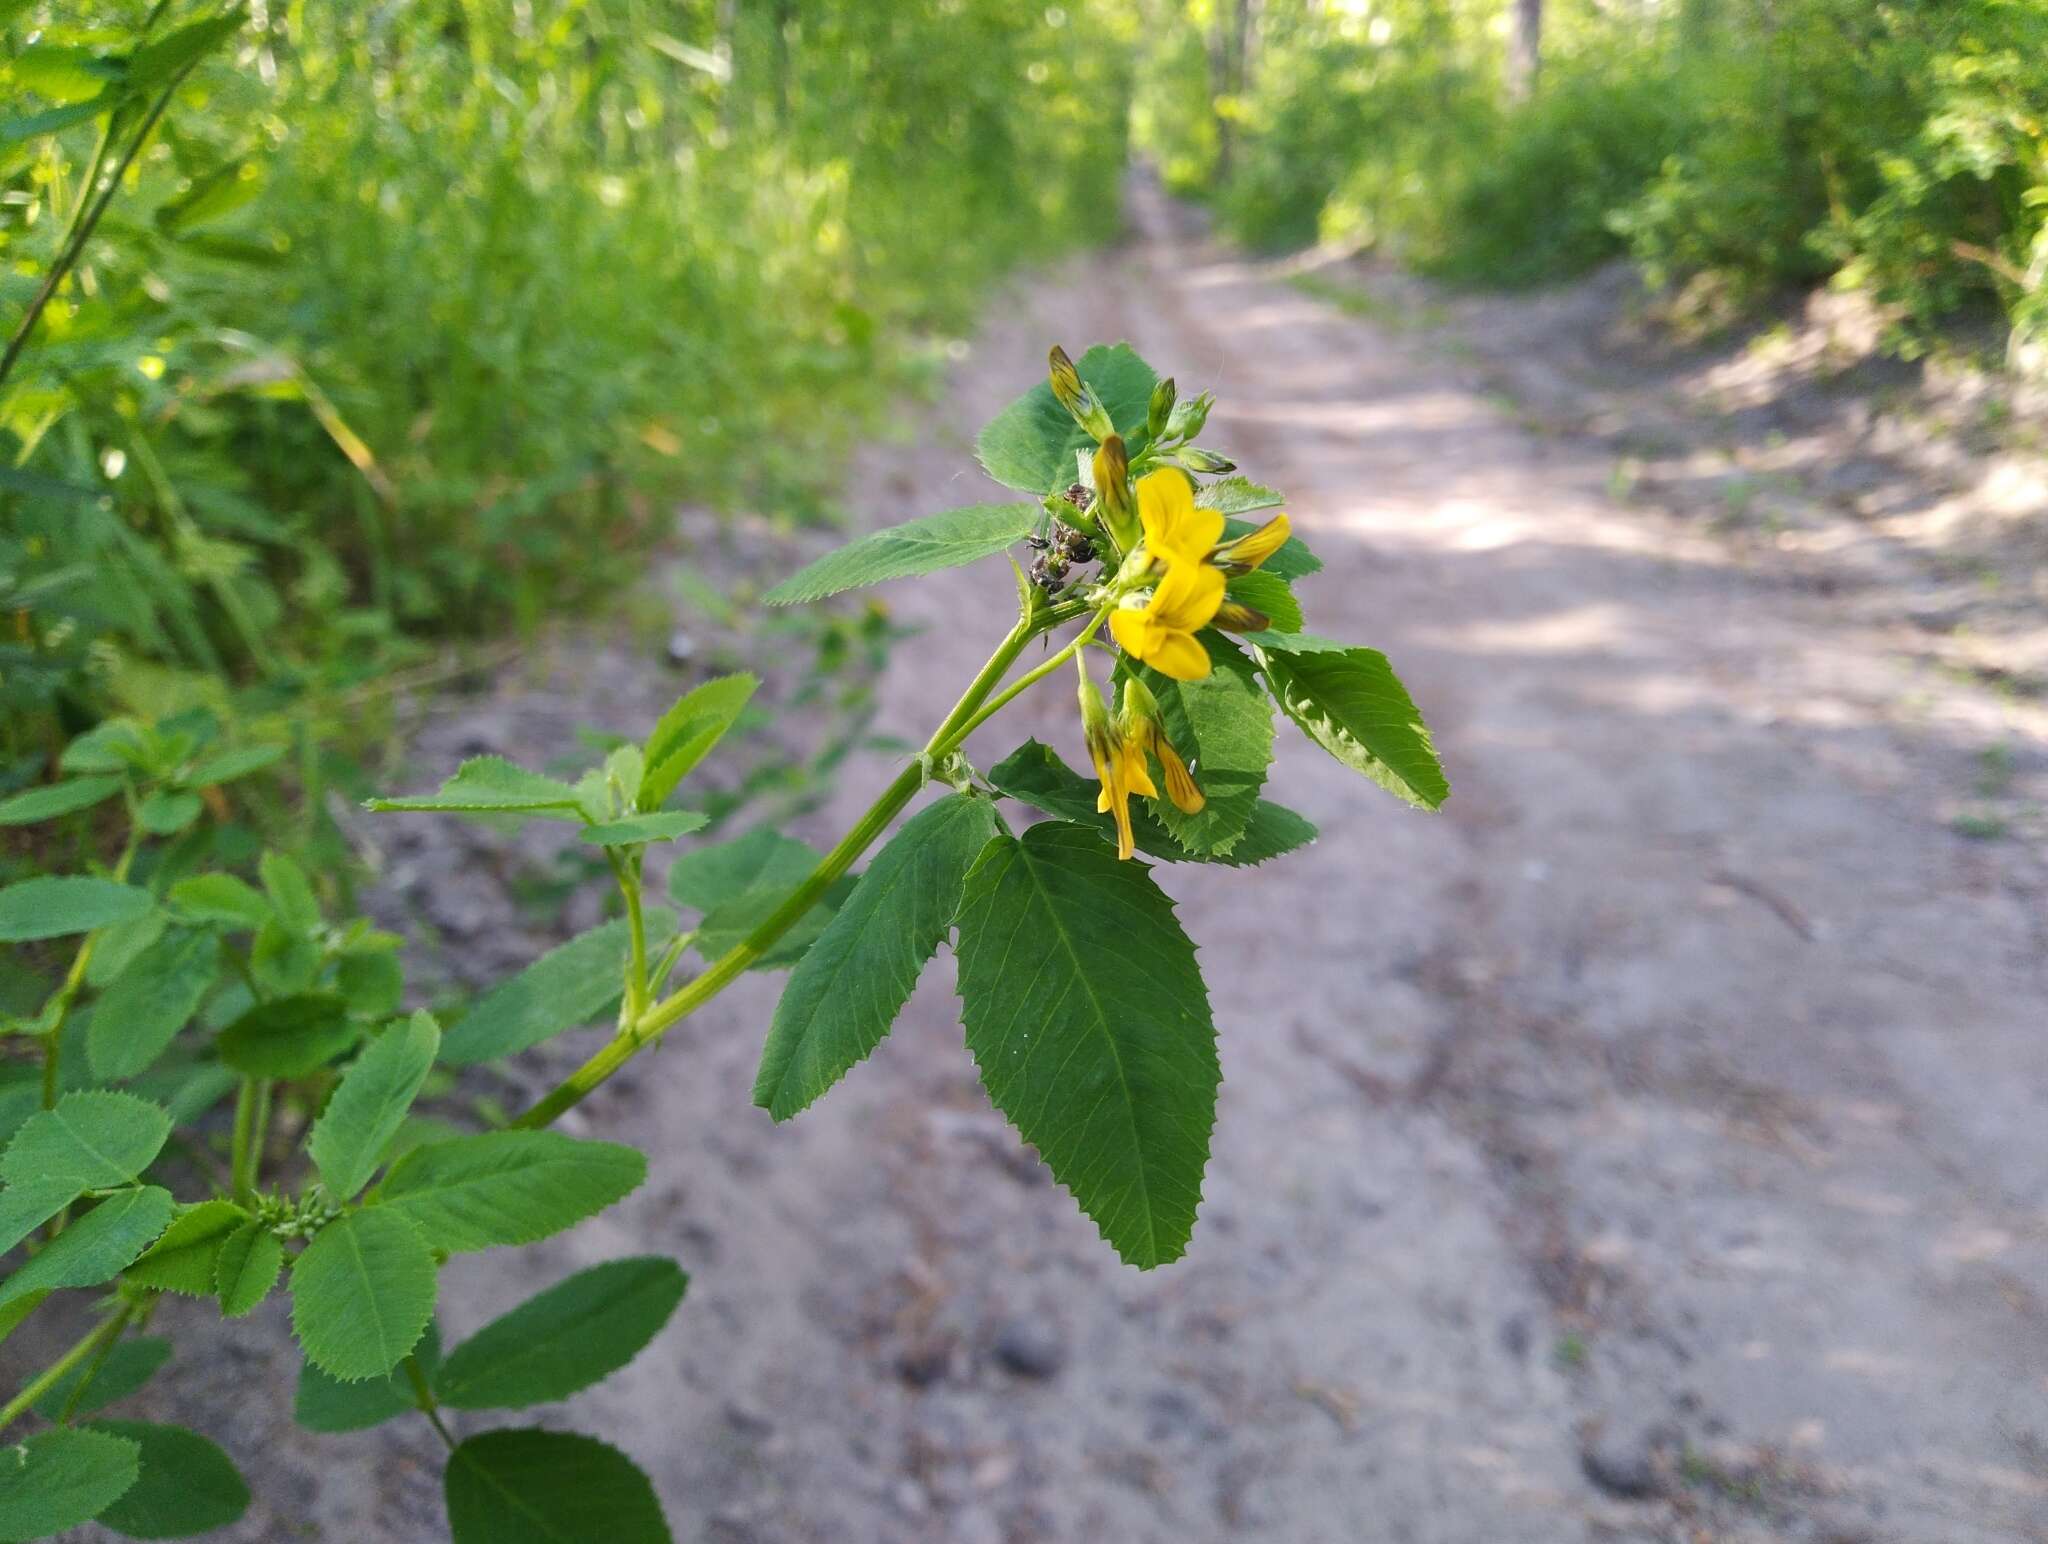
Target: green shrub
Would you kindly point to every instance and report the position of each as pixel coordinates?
(415, 320)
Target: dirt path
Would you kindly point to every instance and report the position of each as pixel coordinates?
(1648, 1148)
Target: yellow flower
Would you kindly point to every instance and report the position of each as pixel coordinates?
(1162, 634)
(1141, 725)
(1174, 527)
(1119, 762)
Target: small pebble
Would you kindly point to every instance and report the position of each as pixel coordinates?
(1030, 1348)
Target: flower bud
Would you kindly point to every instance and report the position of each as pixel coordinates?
(1161, 409)
(1248, 551)
(1113, 505)
(1195, 459)
(1076, 397)
(1187, 418)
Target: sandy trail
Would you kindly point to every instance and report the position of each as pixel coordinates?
(1673, 1098)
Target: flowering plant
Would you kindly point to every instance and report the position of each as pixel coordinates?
(1081, 997)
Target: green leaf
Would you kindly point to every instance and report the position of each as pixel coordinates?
(127, 1365)
(220, 899)
(549, 1487)
(851, 984)
(14, 1313)
(290, 891)
(1291, 561)
(229, 765)
(740, 883)
(98, 1246)
(55, 799)
(246, 1268)
(576, 1333)
(1030, 444)
(160, 60)
(362, 1293)
(116, 947)
(665, 826)
(1222, 725)
(507, 1187)
(707, 877)
(53, 905)
(53, 119)
(288, 1037)
(1352, 704)
(1237, 495)
(139, 1015)
(1034, 774)
(686, 733)
(1271, 595)
(59, 1478)
(183, 1260)
(492, 785)
(165, 812)
(325, 1404)
(187, 1484)
(1087, 1016)
(369, 1105)
(24, 1208)
(94, 1139)
(64, 74)
(1295, 642)
(919, 546)
(569, 985)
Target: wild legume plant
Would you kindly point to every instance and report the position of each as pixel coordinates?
(1081, 997)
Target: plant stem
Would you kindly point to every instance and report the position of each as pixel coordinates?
(252, 1109)
(50, 1376)
(651, 1025)
(1024, 682)
(626, 871)
(86, 219)
(423, 1392)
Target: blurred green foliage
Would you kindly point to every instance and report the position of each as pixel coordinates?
(414, 318)
(1898, 145)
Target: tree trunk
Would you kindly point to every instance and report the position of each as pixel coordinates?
(1229, 40)
(1525, 48)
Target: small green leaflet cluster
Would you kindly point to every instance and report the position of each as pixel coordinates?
(1083, 1004)
(192, 982)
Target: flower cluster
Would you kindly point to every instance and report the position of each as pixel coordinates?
(1171, 581)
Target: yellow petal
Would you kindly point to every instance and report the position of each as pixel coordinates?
(1254, 547)
(1132, 631)
(1177, 654)
(1180, 784)
(1174, 527)
(1187, 596)
(1134, 772)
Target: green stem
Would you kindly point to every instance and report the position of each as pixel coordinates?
(42, 1383)
(651, 1025)
(84, 220)
(423, 1394)
(1024, 682)
(626, 871)
(252, 1109)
